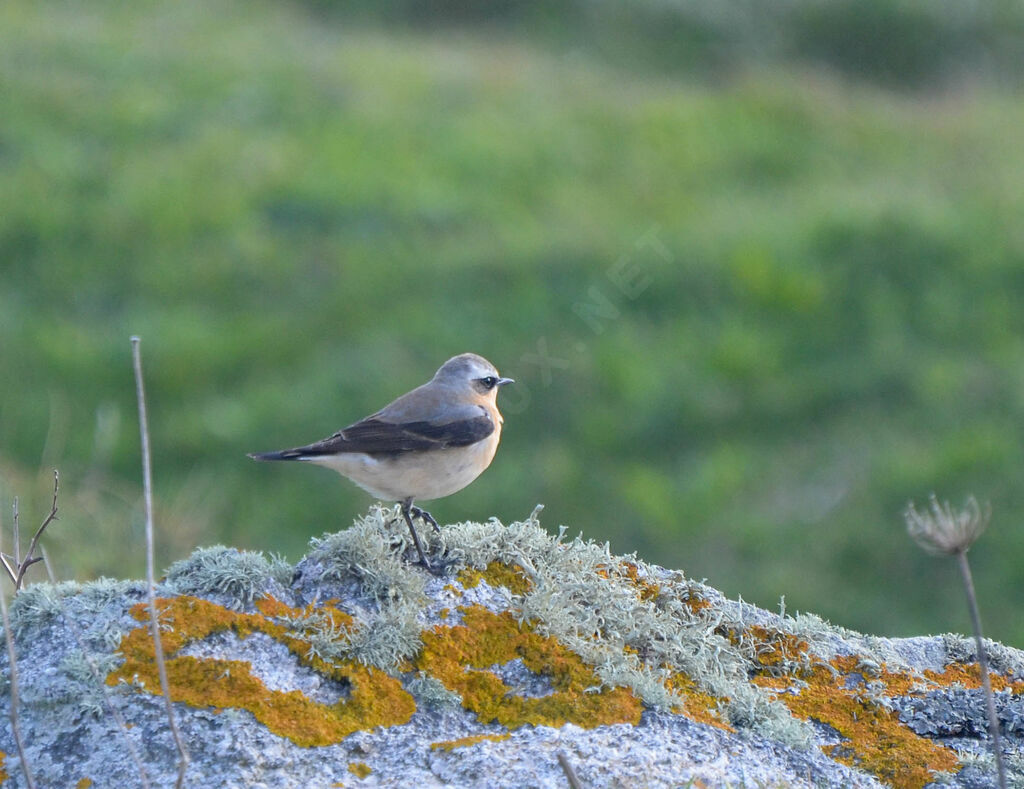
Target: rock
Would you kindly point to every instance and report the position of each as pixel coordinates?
(358, 668)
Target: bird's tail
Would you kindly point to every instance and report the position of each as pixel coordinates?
(283, 454)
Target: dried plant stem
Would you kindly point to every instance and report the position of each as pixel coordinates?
(154, 623)
(570, 773)
(15, 720)
(993, 720)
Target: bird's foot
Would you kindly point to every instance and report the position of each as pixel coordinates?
(409, 512)
(433, 569)
(416, 512)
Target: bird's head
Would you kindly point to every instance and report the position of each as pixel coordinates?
(471, 375)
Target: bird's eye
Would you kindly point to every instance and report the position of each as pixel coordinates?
(489, 381)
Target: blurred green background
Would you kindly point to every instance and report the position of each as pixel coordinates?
(756, 266)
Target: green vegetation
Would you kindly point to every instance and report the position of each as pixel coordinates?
(302, 215)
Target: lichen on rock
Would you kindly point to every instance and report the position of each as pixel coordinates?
(357, 664)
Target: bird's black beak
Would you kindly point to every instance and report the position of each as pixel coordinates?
(503, 381)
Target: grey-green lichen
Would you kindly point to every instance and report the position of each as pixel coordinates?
(239, 576)
(39, 604)
(370, 553)
(431, 691)
(42, 604)
(83, 676)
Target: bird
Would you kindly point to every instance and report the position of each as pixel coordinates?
(427, 444)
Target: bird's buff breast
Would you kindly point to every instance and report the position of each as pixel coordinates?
(420, 475)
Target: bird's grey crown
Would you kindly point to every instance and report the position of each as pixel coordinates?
(464, 367)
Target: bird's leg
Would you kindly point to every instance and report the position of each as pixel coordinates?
(407, 511)
(421, 513)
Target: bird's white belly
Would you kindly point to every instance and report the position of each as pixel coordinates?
(419, 475)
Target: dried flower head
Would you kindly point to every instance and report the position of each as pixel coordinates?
(940, 530)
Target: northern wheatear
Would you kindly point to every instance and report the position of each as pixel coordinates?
(427, 444)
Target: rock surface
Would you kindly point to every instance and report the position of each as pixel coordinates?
(357, 668)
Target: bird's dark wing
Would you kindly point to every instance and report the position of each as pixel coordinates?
(377, 436)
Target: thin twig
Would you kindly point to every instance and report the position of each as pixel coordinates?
(15, 720)
(29, 560)
(17, 534)
(993, 719)
(118, 718)
(154, 624)
(12, 572)
(570, 774)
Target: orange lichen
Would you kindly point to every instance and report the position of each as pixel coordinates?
(774, 651)
(908, 683)
(774, 647)
(630, 571)
(375, 699)
(83, 783)
(484, 638)
(645, 588)
(697, 706)
(470, 577)
(497, 574)
(462, 742)
(896, 683)
(3, 767)
(876, 739)
(969, 675)
(359, 769)
(696, 603)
